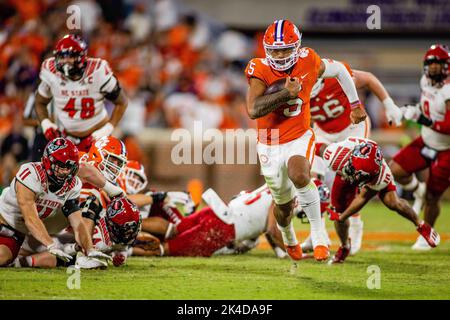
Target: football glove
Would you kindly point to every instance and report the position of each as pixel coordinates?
(50, 130)
(104, 131)
(58, 253)
(393, 113)
(98, 255)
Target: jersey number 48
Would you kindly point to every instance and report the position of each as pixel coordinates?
(87, 108)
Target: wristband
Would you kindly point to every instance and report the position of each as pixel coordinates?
(355, 105)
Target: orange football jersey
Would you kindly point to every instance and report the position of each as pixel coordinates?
(292, 120)
(330, 109)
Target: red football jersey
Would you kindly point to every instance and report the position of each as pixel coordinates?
(330, 109)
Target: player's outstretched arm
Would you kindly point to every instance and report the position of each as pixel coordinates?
(49, 128)
(121, 103)
(82, 235)
(90, 174)
(364, 79)
(259, 105)
(358, 203)
(26, 201)
(334, 69)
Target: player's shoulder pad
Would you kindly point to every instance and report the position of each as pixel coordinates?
(307, 52)
(256, 68)
(32, 175)
(48, 70)
(446, 90)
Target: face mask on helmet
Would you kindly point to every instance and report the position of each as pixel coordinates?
(123, 221)
(436, 62)
(282, 42)
(60, 161)
(135, 181)
(282, 58)
(435, 69)
(70, 56)
(111, 166)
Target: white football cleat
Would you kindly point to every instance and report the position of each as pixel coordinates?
(355, 232)
(421, 244)
(419, 195)
(84, 262)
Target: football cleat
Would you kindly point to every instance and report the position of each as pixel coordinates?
(341, 254)
(295, 252)
(84, 262)
(429, 234)
(321, 253)
(421, 244)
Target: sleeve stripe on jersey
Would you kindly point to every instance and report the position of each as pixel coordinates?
(52, 66)
(39, 172)
(25, 174)
(103, 85)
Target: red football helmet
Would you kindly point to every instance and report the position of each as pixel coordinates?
(282, 42)
(60, 161)
(70, 56)
(123, 221)
(364, 164)
(134, 177)
(437, 53)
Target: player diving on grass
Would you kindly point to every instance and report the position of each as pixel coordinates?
(361, 174)
(330, 111)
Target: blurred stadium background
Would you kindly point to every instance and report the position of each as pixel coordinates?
(183, 60)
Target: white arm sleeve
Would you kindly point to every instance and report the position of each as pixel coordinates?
(335, 69)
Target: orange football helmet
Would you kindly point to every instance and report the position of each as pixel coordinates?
(282, 42)
(109, 155)
(134, 177)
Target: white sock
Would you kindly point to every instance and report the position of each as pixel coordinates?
(411, 185)
(309, 199)
(325, 232)
(288, 234)
(355, 220)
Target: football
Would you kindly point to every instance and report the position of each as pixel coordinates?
(275, 86)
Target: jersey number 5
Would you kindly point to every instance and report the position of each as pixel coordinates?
(294, 109)
(87, 108)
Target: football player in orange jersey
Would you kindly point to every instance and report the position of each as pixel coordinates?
(330, 111)
(286, 140)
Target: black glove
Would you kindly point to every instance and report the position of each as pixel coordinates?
(158, 196)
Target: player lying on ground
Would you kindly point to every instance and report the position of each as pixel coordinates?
(362, 173)
(108, 156)
(285, 138)
(432, 148)
(42, 200)
(221, 228)
(330, 111)
(78, 85)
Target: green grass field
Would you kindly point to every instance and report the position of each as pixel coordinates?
(405, 274)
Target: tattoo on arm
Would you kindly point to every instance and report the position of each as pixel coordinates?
(266, 104)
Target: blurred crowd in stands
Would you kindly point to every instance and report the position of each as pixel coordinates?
(175, 64)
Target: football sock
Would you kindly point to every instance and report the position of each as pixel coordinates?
(411, 186)
(288, 234)
(309, 199)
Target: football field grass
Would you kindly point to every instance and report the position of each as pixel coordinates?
(404, 274)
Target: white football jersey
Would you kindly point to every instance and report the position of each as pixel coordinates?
(336, 156)
(248, 212)
(48, 204)
(433, 105)
(79, 105)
